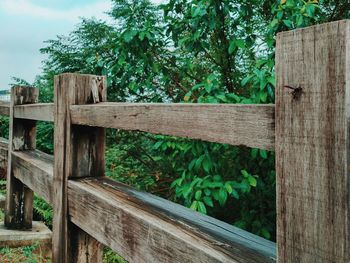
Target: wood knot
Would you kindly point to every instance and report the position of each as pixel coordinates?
(296, 92)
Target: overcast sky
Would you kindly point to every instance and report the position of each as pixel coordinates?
(26, 24)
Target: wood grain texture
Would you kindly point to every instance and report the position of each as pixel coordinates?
(249, 125)
(19, 200)
(139, 226)
(35, 170)
(4, 108)
(145, 228)
(3, 158)
(85, 249)
(38, 111)
(79, 152)
(312, 144)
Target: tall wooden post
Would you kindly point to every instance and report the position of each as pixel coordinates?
(19, 198)
(79, 152)
(312, 143)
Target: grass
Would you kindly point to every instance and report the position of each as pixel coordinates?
(28, 254)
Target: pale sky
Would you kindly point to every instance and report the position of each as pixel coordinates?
(26, 24)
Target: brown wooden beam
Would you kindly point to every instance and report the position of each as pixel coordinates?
(22, 137)
(79, 152)
(236, 124)
(38, 111)
(4, 108)
(312, 144)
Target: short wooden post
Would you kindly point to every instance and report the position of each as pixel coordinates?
(19, 198)
(79, 152)
(312, 143)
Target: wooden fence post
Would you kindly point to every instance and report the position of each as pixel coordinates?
(19, 198)
(79, 152)
(312, 143)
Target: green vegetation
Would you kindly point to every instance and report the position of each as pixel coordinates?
(28, 254)
(199, 51)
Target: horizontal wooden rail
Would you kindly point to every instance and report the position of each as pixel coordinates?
(38, 111)
(236, 124)
(4, 108)
(35, 170)
(139, 226)
(3, 155)
(249, 125)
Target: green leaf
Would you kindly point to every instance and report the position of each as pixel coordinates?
(186, 191)
(254, 153)
(245, 173)
(228, 188)
(279, 14)
(100, 63)
(208, 88)
(194, 205)
(198, 195)
(274, 23)
(246, 80)
(235, 194)
(263, 84)
(300, 21)
(177, 182)
(263, 154)
(272, 80)
(198, 11)
(206, 164)
(240, 43)
(252, 181)
(199, 162)
(232, 47)
(211, 185)
(222, 196)
(207, 191)
(191, 165)
(217, 178)
(221, 97)
(265, 233)
(310, 9)
(142, 35)
(288, 23)
(234, 96)
(263, 96)
(129, 35)
(157, 145)
(208, 201)
(245, 186)
(202, 208)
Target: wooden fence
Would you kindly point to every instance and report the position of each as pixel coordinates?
(308, 127)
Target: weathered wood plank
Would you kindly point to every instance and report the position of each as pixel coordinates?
(250, 125)
(312, 144)
(19, 200)
(3, 142)
(35, 170)
(142, 227)
(79, 152)
(3, 157)
(150, 229)
(38, 111)
(85, 248)
(4, 108)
